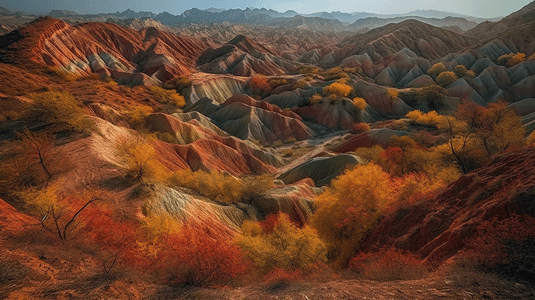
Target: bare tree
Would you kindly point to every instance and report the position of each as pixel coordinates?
(38, 150)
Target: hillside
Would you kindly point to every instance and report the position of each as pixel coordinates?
(126, 55)
(229, 153)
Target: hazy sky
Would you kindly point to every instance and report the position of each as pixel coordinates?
(480, 8)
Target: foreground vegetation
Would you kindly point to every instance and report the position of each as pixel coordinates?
(408, 171)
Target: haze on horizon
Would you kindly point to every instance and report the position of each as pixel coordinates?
(477, 8)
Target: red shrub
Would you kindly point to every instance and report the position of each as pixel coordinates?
(506, 246)
(393, 158)
(117, 241)
(193, 257)
(271, 220)
(388, 264)
(259, 85)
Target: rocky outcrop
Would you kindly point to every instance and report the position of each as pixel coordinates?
(321, 169)
(368, 139)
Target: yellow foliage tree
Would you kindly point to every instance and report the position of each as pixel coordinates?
(338, 89)
(500, 129)
(476, 134)
(350, 208)
(286, 246)
(138, 158)
(59, 215)
(61, 110)
(138, 115)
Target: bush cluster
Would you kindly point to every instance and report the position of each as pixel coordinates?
(59, 110)
(432, 95)
(511, 59)
(446, 78)
(337, 90)
(167, 96)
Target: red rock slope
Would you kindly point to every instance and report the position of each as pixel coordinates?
(437, 229)
(104, 48)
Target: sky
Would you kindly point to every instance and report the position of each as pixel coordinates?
(478, 8)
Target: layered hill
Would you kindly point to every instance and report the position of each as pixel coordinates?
(374, 22)
(246, 118)
(128, 56)
(489, 29)
(242, 56)
(425, 40)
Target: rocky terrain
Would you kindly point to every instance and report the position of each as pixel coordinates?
(155, 156)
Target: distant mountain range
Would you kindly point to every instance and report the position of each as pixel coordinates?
(321, 21)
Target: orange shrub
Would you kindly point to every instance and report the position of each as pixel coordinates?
(138, 115)
(217, 186)
(511, 59)
(360, 103)
(316, 98)
(431, 118)
(436, 69)
(388, 264)
(360, 127)
(259, 85)
(506, 247)
(393, 93)
(59, 109)
(178, 84)
(339, 89)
